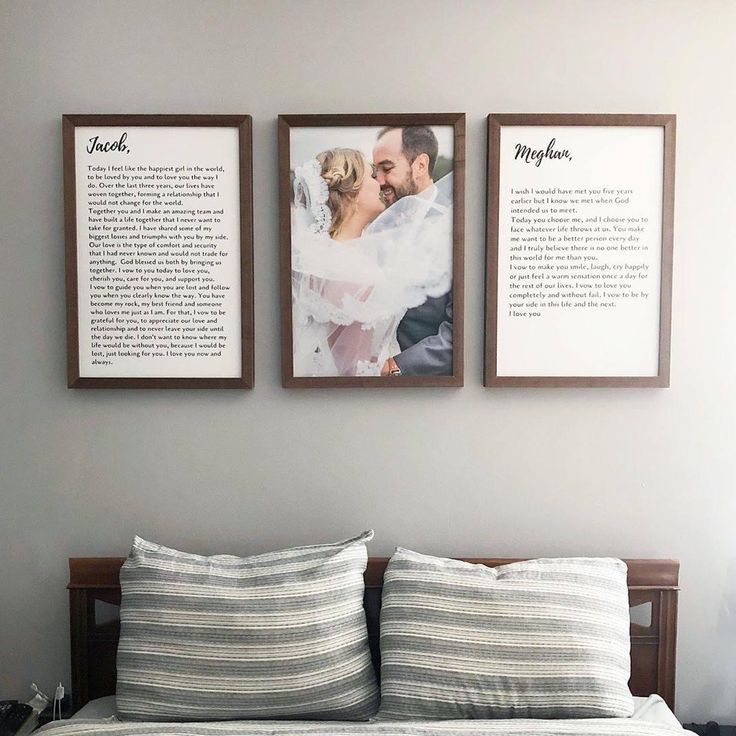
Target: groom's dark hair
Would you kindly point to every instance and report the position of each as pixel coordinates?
(416, 139)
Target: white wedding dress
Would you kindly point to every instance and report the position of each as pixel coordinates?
(349, 296)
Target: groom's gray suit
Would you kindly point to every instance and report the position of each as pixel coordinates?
(425, 338)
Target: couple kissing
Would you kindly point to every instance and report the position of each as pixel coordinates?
(372, 259)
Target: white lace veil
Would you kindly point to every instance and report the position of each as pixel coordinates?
(310, 198)
(349, 296)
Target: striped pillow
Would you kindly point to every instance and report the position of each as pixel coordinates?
(535, 639)
(275, 635)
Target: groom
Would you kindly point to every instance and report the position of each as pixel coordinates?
(404, 159)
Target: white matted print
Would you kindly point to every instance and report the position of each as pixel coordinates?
(579, 253)
(157, 245)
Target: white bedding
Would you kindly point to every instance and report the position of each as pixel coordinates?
(652, 717)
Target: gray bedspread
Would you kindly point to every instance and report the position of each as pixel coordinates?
(518, 727)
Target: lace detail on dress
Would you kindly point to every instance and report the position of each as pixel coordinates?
(367, 368)
(311, 191)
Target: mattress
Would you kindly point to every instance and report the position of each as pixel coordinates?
(651, 717)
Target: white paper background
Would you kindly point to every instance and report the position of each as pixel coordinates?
(167, 146)
(620, 341)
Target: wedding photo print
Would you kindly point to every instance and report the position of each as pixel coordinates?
(371, 228)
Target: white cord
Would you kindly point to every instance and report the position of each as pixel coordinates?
(58, 697)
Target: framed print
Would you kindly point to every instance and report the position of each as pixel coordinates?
(159, 251)
(371, 213)
(579, 250)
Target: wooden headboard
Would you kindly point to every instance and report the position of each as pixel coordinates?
(94, 592)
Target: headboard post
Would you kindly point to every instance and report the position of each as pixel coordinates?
(93, 643)
(78, 618)
(667, 650)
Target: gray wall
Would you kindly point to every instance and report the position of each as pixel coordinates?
(472, 471)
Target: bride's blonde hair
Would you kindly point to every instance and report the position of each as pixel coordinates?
(343, 169)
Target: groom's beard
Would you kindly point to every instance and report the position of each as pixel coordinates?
(406, 188)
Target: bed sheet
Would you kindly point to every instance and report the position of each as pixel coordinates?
(652, 710)
(652, 717)
(516, 727)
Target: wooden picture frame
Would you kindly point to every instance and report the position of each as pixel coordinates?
(224, 138)
(510, 341)
(290, 129)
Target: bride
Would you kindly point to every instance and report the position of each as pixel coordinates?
(357, 266)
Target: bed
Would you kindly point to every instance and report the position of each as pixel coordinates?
(94, 596)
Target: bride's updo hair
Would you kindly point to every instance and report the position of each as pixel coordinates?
(343, 169)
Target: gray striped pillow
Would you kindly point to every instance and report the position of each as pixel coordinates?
(275, 635)
(534, 639)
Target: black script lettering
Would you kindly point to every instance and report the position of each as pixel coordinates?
(528, 155)
(96, 145)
